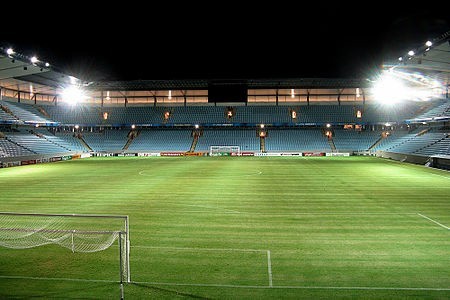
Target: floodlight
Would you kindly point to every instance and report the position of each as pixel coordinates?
(400, 58)
(73, 80)
(133, 126)
(34, 59)
(10, 51)
(411, 53)
(328, 125)
(73, 95)
(389, 89)
(47, 64)
(262, 126)
(77, 126)
(428, 44)
(196, 126)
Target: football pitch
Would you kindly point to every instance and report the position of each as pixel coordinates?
(238, 228)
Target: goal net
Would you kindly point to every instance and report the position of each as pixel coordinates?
(224, 150)
(78, 233)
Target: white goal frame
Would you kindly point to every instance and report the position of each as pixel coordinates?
(19, 224)
(224, 150)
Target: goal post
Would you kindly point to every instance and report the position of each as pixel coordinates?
(224, 150)
(76, 232)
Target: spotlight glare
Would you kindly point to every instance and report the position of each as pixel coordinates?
(428, 44)
(10, 51)
(34, 60)
(389, 89)
(73, 95)
(411, 53)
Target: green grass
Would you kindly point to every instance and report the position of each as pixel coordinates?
(204, 227)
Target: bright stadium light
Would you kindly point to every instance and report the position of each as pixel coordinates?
(428, 44)
(9, 51)
(393, 86)
(411, 53)
(34, 59)
(47, 64)
(389, 89)
(73, 95)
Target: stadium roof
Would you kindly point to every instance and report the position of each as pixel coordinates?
(17, 72)
(432, 61)
(202, 84)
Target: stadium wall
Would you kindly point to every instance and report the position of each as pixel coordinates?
(404, 157)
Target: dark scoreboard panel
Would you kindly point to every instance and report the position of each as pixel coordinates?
(227, 92)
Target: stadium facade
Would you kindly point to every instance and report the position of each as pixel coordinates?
(278, 116)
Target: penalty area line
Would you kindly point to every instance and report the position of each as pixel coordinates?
(436, 222)
(269, 268)
(57, 279)
(199, 249)
(294, 287)
(236, 286)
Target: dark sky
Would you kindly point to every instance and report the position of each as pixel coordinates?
(224, 40)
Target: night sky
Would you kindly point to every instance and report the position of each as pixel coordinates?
(223, 40)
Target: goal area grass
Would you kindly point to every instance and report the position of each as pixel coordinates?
(238, 228)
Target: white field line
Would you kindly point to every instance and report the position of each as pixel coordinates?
(165, 211)
(436, 222)
(200, 249)
(297, 287)
(446, 177)
(58, 279)
(269, 268)
(214, 208)
(237, 286)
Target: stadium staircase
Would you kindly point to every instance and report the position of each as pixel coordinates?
(194, 141)
(43, 111)
(377, 142)
(21, 146)
(9, 112)
(332, 145)
(83, 142)
(42, 136)
(422, 132)
(131, 136)
(262, 144)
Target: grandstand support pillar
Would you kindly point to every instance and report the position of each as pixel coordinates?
(276, 97)
(364, 98)
(1, 93)
(18, 95)
(307, 97)
(154, 99)
(339, 96)
(185, 98)
(55, 99)
(34, 98)
(101, 97)
(126, 101)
